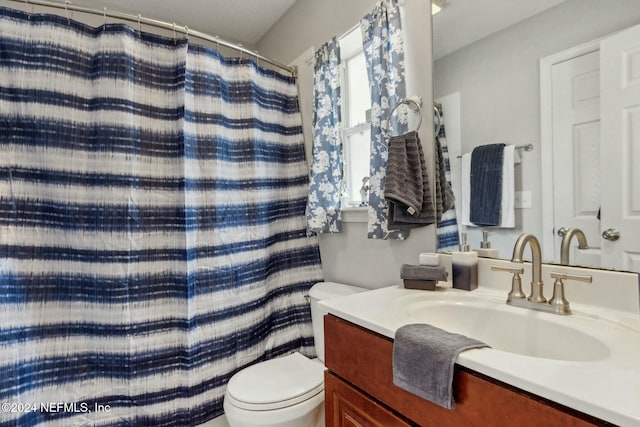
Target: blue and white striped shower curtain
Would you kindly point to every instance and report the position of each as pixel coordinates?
(152, 228)
(447, 228)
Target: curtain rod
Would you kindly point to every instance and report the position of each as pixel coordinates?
(67, 5)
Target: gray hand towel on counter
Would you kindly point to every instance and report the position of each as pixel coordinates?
(423, 361)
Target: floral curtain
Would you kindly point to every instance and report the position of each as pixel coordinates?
(325, 187)
(384, 51)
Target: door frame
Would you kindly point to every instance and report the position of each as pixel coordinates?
(546, 137)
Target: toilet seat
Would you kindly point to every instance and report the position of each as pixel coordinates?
(276, 383)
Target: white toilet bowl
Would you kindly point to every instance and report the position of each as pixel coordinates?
(287, 391)
(282, 392)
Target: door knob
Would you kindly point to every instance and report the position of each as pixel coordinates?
(562, 231)
(611, 234)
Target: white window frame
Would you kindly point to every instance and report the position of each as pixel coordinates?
(348, 50)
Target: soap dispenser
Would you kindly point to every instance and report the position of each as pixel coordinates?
(485, 250)
(464, 266)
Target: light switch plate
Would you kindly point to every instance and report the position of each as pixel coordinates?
(522, 200)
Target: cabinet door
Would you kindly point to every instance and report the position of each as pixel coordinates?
(345, 406)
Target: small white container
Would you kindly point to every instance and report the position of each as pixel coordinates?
(427, 258)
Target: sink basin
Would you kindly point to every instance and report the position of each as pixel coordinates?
(505, 328)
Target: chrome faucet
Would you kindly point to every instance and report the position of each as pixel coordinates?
(565, 246)
(536, 266)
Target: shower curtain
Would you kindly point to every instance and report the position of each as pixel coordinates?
(152, 229)
(447, 226)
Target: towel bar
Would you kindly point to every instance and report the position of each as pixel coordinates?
(526, 147)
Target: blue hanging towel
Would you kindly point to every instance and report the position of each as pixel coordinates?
(486, 184)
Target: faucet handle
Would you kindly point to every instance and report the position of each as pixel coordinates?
(587, 278)
(516, 282)
(558, 301)
(514, 270)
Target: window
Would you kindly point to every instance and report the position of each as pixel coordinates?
(356, 105)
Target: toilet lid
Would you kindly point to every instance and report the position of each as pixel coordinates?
(277, 383)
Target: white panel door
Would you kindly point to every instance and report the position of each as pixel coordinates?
(620, 101)
(576, 153)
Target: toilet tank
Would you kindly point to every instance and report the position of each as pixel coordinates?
(320, 291)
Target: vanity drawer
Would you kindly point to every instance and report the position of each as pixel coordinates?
(364, 359)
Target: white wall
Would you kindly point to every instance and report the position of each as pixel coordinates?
(498, 81)
(350, 257)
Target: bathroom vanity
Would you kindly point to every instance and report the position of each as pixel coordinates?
(541, 370)
(359, 391)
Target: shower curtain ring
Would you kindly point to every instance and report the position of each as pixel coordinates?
(218, 43)
(66, 10)
(257, 58)
(240, 46)
(186, 31)
(139, 25)
(104, 13)
(174, 32)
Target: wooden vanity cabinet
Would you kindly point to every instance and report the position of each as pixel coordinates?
(359, 391)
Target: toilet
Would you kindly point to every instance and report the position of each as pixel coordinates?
(289, 390)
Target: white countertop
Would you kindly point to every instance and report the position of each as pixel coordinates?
(608, 388)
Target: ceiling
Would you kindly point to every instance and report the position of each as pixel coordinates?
(243, 21)
(459, 24)
(462, 22)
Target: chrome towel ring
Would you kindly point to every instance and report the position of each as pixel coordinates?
(408, 101)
